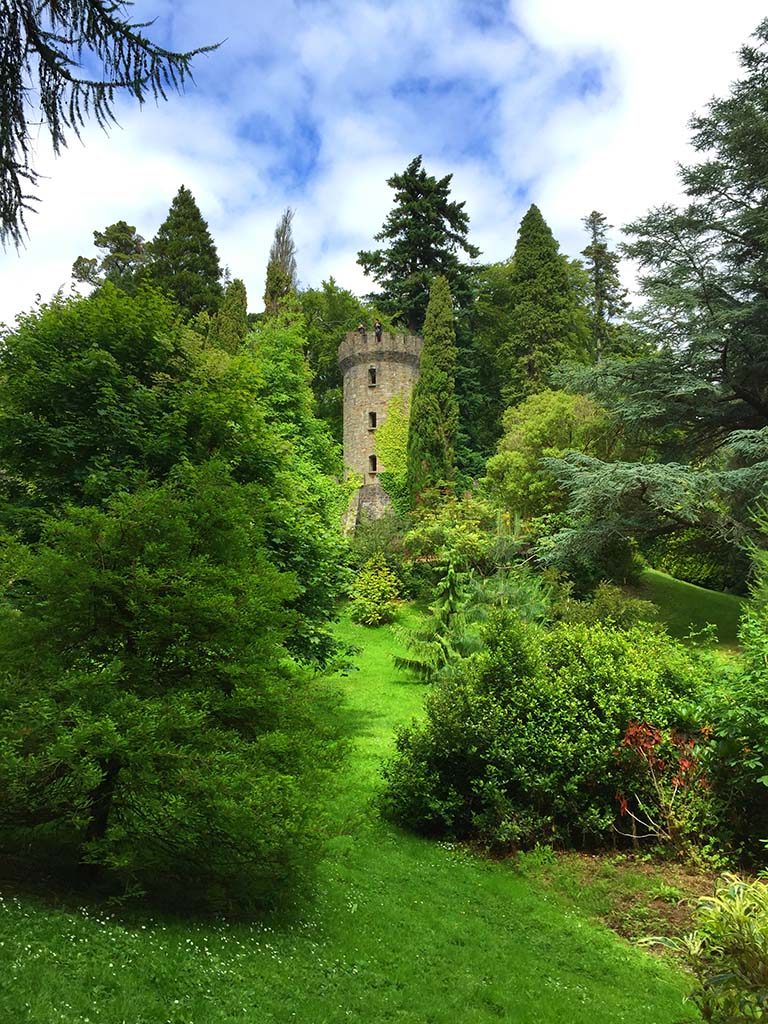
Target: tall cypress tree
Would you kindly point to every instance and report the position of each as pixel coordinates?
(231, 324)
(607, 298)
(185, 263)
(434, 408)
(426, 232)
(281, 277)
(546, 324)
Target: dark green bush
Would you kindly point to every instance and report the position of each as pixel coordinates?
(699, 557)
(153, 733)
(521, 746)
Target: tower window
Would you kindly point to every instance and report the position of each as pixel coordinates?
(373, 463)
(372, 424)
(372, 377)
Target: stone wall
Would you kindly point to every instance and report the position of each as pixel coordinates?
(394, 360)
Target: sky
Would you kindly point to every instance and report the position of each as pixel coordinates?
(572, 104)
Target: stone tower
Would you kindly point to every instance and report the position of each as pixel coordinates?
(374, 371)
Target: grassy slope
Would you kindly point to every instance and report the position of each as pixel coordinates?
(401, 930)
(685, 607)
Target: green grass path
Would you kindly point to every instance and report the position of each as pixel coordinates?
(401, 929)
(685, 607)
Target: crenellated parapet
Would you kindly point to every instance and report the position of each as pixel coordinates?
(360, 348)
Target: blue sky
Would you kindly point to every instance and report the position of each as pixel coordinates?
(572, 104)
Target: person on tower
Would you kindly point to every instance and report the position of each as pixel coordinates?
(377, 329)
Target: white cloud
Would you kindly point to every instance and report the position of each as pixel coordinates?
(316, 104)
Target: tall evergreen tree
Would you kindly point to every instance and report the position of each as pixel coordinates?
(434, 408)
(606, 298)
(125, 257)
(281, 270)
(546, 324)
(426, 233)
(230, 327)
(184, 260)
(699, 403)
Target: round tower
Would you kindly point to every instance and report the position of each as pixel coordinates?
(374, 371)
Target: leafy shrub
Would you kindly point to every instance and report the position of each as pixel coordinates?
(609, 604)
(467, 532)
(374, 594)
(736, 757)
(518, 746)
(153, 734)
(728, 952)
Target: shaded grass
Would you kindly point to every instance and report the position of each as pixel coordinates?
(685, 607)
(401, 929)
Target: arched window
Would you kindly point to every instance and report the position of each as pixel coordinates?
(372, 418)
(372, 377)
(373, 464)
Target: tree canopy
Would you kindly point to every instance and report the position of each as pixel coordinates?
(426, 232)
(434, 416)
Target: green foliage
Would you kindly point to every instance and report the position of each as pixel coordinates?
(124, 260)
(698, 405)
(374, 594)
(184, 262)
(608, 604)
(607, 303)
(545, 425)
(391, 440)
(737, 708)
(469, 918)
(434, 420)
(68, 62)
(518, 747)
(727, 953)
(426, 232)
(545, 323)
(440, 641)
(466, 532)
(100, 394)
(281, 280)
(306, 527)
(151, 727)
(699, 557)
(230, 326)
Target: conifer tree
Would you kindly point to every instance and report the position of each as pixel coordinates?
(426, 232)
(546, 325)
(606, 298)
(434, 408)
(61, 64)
(125, 256)
(281, 270)
(185, 263)
(231, 324)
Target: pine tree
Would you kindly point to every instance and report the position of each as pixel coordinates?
(607, 299)
(185, 263)
(426, 232)
(231, 324)
(546, 325)
(125, 256)
(434, 409)
(281, 270)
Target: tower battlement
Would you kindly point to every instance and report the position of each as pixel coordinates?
(374, 370)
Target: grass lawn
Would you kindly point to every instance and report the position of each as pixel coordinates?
(401, 929)
(685, 607)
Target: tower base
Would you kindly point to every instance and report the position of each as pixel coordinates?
(370, 501)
